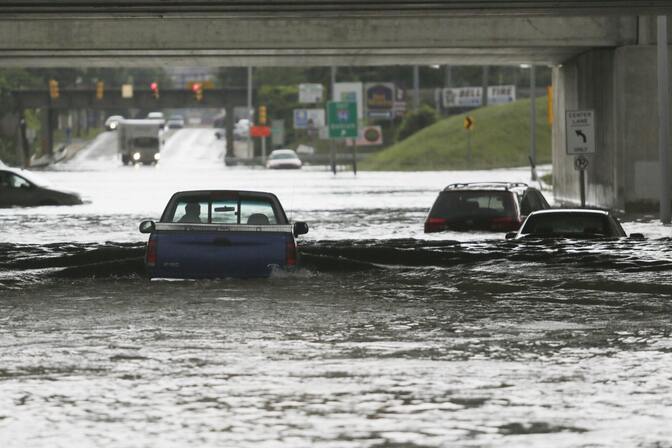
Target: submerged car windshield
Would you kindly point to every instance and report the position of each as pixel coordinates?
(457, 204)
(572, 224)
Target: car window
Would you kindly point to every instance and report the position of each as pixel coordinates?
(283, 155)
(9, 180)
(191, 211)
(145, 142)
(569, 223)
(225, 211)
(455, 204)
(229, 210)
(257, 212)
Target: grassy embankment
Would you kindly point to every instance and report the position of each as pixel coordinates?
(500, 139)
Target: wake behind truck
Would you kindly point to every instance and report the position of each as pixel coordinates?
(139, 141)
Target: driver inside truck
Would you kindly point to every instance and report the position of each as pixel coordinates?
(192, 213)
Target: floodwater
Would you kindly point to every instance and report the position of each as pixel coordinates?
(386, 337)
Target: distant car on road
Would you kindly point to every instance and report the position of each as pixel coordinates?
(283, 159)
(571, 223)
(112, 122)
(489, 206)
(175, 122)
(24, 189)
(221, 233)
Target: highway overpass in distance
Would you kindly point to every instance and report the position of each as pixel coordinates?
(603, 54)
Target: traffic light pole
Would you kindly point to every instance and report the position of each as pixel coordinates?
(263, 149)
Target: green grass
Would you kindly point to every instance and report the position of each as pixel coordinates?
(500, 139)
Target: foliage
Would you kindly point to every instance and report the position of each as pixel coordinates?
(416, 120)
(500, 138)
(280, 102)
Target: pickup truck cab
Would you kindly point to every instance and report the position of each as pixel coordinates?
(221, 233)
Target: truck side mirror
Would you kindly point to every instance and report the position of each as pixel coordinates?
(147, 226)
(300, 228)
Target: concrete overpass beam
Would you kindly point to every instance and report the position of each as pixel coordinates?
(342, 40)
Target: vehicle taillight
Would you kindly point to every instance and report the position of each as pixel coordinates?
(151, 253)
(290, 253)
(435, 224)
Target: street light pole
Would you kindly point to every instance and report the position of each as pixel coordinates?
(332, 146)
(416, 88)
(249, 112)
(663, 120)
(533, 124)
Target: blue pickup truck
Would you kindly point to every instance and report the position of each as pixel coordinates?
(221, 233)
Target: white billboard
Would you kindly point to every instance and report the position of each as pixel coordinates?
(309, 118)
(311, 93)
(350, 92)
(501, 94)
(473, 96)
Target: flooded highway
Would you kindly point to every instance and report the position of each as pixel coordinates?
(386, 337)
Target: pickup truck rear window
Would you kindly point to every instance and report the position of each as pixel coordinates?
(252, 211)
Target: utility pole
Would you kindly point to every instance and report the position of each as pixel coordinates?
(332, 147)
(663, 120)
(416, 88)
(484, 84)
(250, 152)
(533, 124)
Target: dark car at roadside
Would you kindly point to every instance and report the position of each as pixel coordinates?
(21, 188)
(483, 206)
(573, 224)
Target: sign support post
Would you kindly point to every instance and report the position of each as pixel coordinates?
(354, 157)
(342, 119)
(582, 187)
(580, 138)
(468, 126)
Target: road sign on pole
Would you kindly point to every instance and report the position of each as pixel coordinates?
(342, 119)
(580, 131)
(468, 123)
(580, 162)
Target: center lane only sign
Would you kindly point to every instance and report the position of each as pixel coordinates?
(580, 131)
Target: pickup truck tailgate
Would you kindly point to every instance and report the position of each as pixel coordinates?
(211, 250)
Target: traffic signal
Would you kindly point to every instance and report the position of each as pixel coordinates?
(53, 89)
(155, 89)
(197, 87)
(262, 115)
(100, 90)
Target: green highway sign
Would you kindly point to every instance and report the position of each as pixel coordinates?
(342, 119)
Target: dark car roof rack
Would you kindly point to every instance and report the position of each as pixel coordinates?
(485, 185)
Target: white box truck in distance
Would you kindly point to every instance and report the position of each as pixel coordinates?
(139, 141)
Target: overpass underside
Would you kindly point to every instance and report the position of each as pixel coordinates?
(601, 50)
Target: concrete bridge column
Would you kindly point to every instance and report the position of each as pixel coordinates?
(620, 86)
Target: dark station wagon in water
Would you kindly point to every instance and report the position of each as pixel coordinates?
(571, 223)
(221, 233)
(489, 206)
(22, 188)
